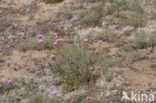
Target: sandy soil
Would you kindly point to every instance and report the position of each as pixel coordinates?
(20, 62)
(143, 77)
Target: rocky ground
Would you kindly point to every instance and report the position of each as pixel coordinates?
(127, 54)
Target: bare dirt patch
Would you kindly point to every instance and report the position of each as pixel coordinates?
(20, 62)
(143, 77)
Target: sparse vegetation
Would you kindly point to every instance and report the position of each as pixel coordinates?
(76, 63)
(143, 40)
(52, 1)
(33, 44)
(84, 52)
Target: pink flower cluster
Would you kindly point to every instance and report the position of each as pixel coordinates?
(9, 81)
(8, 62)
(70, 26)
(52, 56)
(40, 39)
(85, 40)
(54, 92)
(100, 42)
(31, 77)
(75, 18)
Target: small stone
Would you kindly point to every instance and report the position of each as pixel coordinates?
(115, 92)
(107, 93)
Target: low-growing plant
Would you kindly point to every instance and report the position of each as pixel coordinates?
(105, 36)
(134, 5)
(143, 40)
(6, 88)
(136, 20)
(110, 8)
(90, 19)
(76, 63)
(52, 1)
(33, 44)
(65, 13)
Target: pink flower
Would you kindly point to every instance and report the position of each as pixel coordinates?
(85, 40)
(40, 41)
(40, 36)
(9, 81)
(74, 18)
(8, 62)
(22, 89)
(100, 42)
(55, 43)
(53, 92)
(56, 40)
(31, 78)
(80, 26)
(53, 88)
(70, 26)
(52, 56)
(52, 33)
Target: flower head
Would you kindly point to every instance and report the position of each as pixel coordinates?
(56, 40)
(74, 18)
(52, 56)
(51, 33)
(22, 89)
(80, 26)
(88, 99)
(31, 78)
(40, 41)
(39, 36)
(55, 43)
(85, 40)
(100, 42)
(8, 62)
(70, 26)
(99, 68)
(53, 88)
(9, 81)
(1, 11)
(53, 92)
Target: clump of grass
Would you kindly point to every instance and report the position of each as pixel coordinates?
(143, 40)
(76, 63)
(5, 88)
(134, 5)
(110, 8)
(90, 19)
(105, 36)
(78, 97)
(33, 44)
(136, 20)
(65, 13)
(52, 1)
(43, 99)
(109, 76)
